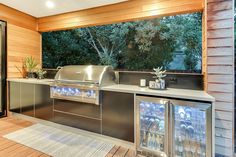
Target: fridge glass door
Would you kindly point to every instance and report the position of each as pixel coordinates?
(190, 130)
(152, 128)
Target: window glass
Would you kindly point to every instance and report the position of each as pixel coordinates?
(173, 42)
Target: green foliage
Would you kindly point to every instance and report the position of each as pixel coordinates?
(30, 64)
(108, 41)
(138, 45)
(187, 32)
(145, 31)
(65, 48)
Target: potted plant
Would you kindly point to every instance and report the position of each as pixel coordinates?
(40, 73)
(30, 65)
(160, 74)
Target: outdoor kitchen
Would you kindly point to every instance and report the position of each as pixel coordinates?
(122, 79)
(89, 98)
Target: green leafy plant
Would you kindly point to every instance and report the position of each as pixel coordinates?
(30, 64)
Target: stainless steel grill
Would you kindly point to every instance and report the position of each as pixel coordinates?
(82, 82)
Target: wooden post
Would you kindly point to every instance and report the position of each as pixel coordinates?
(219, 70)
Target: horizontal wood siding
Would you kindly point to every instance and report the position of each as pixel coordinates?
(23, 39)
(220, 71)
(126, 11)
(21, 43)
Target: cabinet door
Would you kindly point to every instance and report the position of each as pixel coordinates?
(43, 102)
(27, 99)
(84, 123)
(14, 96)
(118, 115)
(77, 108)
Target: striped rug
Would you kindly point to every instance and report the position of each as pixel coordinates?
(59, 143)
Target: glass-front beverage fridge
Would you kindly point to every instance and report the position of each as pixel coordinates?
(173, 128)
(152, 134)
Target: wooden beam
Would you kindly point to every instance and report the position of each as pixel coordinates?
(121, 12)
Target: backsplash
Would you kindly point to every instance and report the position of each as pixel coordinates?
(173, 80)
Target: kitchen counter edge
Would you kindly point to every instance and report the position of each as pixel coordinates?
(33, 81)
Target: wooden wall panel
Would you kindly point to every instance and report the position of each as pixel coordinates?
(126, 11)
(23, 39)
(220, 70)
(21, 42)
(17, 18)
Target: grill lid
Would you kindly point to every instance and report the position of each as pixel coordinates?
(86, 74)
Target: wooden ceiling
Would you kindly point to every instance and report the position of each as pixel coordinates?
(125, 11)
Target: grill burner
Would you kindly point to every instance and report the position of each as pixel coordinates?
(81, 83)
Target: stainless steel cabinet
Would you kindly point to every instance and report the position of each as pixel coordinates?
(78, 114)
(118, 115)
(80, 122)
(43, 102)
(27, 99)
(31, 100)
(14, 97)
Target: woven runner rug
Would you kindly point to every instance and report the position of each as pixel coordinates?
(59, 143)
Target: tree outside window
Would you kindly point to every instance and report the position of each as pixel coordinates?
(173, 42)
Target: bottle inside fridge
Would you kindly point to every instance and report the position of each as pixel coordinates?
(152, 118)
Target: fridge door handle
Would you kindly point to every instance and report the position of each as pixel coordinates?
(167, 127)
(170, 140)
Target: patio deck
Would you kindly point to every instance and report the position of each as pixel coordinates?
(12, 149)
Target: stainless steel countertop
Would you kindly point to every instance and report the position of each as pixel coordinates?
(169, 92)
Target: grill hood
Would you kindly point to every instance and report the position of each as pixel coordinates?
(86, 74)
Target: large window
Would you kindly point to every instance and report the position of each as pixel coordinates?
(173, 42)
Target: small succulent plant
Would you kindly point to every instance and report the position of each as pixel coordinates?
(41, 73)
(160, 74)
